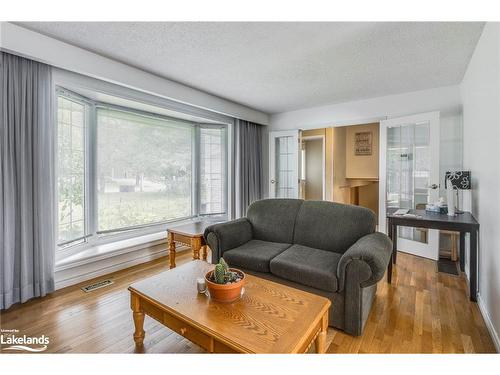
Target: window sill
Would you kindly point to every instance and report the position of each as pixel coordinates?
(109, 250)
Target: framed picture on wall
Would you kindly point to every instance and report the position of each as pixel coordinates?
(363, 143)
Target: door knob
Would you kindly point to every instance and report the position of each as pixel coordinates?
(273, 181)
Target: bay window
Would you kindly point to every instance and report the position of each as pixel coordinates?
(123, 171)
(144, 169)
(212, 170)
(71, 156)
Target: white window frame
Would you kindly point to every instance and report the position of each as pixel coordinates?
(225, 168)
(80, 241)
(93, 237)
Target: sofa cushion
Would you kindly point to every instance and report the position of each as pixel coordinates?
(254, 255)
(274, 219)
(308, 266)
(332, 226)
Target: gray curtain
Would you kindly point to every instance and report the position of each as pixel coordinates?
(248, 168)
(27, 189)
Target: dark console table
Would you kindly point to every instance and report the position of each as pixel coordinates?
(463, 223)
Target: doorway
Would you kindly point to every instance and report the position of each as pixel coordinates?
(312, 184)
(355, 165)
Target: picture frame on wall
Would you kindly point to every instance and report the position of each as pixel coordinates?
(363, 144)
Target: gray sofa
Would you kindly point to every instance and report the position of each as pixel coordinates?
(326, 248)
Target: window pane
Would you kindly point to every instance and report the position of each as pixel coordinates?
(144, 169)
(212, 171)
(71, 169)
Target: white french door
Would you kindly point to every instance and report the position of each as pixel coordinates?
(284, 164)
(409, 176)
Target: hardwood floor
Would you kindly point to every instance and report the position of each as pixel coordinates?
(421, 312)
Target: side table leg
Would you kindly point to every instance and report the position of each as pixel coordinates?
(171, 250)
(195, 247)
(204, 251)
(320, 342)
(138, 322)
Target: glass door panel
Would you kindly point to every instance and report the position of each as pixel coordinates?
(283, 164)
(411, 163)
(408, 167)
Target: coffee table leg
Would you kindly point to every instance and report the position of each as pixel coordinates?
(195, 247)
(321, 338)
(138, 321)
(171, 250)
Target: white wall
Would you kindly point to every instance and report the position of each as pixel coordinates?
(481, 120)
(27, 43)
(450, 148)
(444, 99)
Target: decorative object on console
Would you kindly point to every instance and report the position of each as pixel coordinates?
(459, 180)
(224, 283)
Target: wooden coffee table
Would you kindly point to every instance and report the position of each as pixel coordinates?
(269, 318)
(189, 234)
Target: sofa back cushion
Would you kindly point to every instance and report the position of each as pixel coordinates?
(332, 226)
(273, 219)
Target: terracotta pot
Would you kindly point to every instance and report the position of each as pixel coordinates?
(225, 292)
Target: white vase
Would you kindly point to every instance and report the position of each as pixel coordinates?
(450, 199)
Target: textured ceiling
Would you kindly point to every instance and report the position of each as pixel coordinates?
(276, 67)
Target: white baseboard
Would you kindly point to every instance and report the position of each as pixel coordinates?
(489, 323)
(101, 267)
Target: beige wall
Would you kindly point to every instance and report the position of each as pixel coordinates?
(328, 134)
(340, 193)
(368, 197)
(313, 132)
(365, 166)
(329, 164)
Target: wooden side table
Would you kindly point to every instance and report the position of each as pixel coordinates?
(191, 235)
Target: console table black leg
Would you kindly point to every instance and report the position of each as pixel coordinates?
(394, 242)
(389, 272)
(462, 251)
(389, 266)
(473, 266)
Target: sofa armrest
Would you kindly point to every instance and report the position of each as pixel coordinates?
(375, 250)
(226, 236)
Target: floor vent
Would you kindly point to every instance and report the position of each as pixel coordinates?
(97, 285)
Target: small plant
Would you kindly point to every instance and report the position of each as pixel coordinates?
(224, 264)
(219, 274)
(223, 275)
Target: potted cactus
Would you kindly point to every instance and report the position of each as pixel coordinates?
(224, 284)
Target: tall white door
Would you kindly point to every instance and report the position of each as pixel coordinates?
(284, 164)
(409, 176)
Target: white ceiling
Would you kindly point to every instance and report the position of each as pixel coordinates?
(276, 67)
